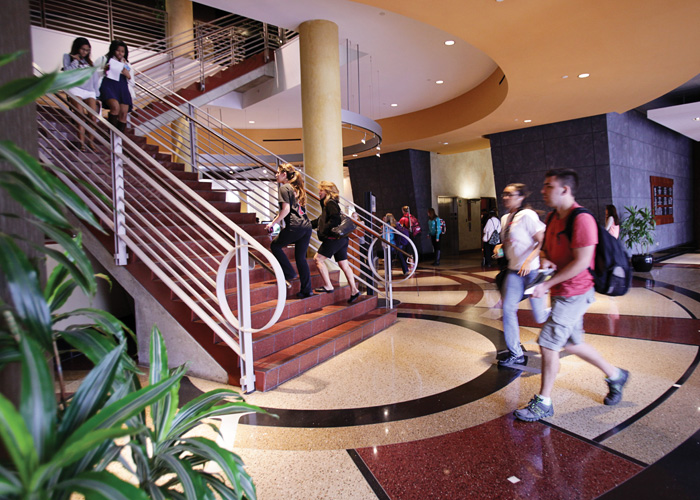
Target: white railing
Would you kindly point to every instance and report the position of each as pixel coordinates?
(190, 57)
(104, 20)
(246, 171)
(183, 239)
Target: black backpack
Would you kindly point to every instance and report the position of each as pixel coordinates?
(612, 273)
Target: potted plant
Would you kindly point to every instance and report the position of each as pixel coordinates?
(637, 231)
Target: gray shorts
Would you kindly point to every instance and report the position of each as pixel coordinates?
(565, 324)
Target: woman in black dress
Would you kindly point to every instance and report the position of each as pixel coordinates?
(115, 94)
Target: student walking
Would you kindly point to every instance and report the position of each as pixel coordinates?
(521, 235)
(571, 291)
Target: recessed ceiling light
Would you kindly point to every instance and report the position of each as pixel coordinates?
(394, 105)
(565, 76)
(354, 155)
(527, 121)
(697, 119)
(584, 75)
(439, 82)
(445, 143)
(251, 121)
(449, 42)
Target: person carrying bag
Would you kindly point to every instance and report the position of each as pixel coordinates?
(491, 237)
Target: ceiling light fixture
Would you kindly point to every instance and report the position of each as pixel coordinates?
(564, 77)
(394, 105)
(378, 155)
(364, 139)
(527, 121)
(445, 143)
(378, 148)
(696, 119)
(439, 82)
(251, 121)
(584, 75)
(354, 155)
(449, 42)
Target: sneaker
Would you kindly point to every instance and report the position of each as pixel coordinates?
(534, 411)
(512, 360)
(615, 387)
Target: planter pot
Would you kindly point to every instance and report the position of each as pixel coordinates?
(642, 263)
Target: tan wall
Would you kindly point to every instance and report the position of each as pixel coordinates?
(467, 175)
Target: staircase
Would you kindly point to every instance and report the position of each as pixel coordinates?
(308, 331)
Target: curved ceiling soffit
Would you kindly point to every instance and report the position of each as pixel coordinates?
(448, 116)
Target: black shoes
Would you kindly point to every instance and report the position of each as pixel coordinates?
(615, 388)
(512, 360)
(303, 295)
(354, 297)
(323, 290)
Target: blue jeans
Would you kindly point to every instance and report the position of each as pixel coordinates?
(512, 293)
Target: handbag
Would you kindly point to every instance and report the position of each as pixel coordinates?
(495, 238)
(346, 226)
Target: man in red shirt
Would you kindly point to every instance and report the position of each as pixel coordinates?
(571, 289)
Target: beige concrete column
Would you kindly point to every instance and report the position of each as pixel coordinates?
(180, 16)
(320, 101)
(180, 21)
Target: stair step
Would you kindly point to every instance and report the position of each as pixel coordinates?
(290, 362)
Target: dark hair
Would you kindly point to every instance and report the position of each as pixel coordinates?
(113, 48)
(431, 213)
(493, 213)
(520, 188)
(566, 177)
(612, 212)
(75, 48)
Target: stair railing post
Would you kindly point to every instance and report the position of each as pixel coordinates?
(200, 49)
(193, 137)
(119, 215)
(266, 42)
(245, 338)
(387, 276)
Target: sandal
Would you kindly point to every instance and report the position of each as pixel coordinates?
(322, 289)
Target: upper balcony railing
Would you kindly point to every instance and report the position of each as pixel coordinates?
(105, 20)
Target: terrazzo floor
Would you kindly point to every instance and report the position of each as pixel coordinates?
(421, 410)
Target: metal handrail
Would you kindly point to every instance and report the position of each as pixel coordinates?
(190, 57)
(184, 250)
(234, 163)
(104, 20)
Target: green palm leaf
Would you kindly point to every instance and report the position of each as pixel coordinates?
(37, 400)
(125, 408)
(22, 91)
(23, 284)
(189, 479)
(92, 393)
(77, 450)
(17, 439)
(71, 78)
(102, 486)
(230, 464)
(8, 58)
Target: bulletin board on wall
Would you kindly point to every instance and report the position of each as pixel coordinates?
(662, 199)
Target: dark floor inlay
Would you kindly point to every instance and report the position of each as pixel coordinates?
(492, 380)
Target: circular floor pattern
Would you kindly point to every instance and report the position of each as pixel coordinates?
(488, 382)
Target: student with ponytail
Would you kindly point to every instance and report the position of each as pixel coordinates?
(296, 227)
